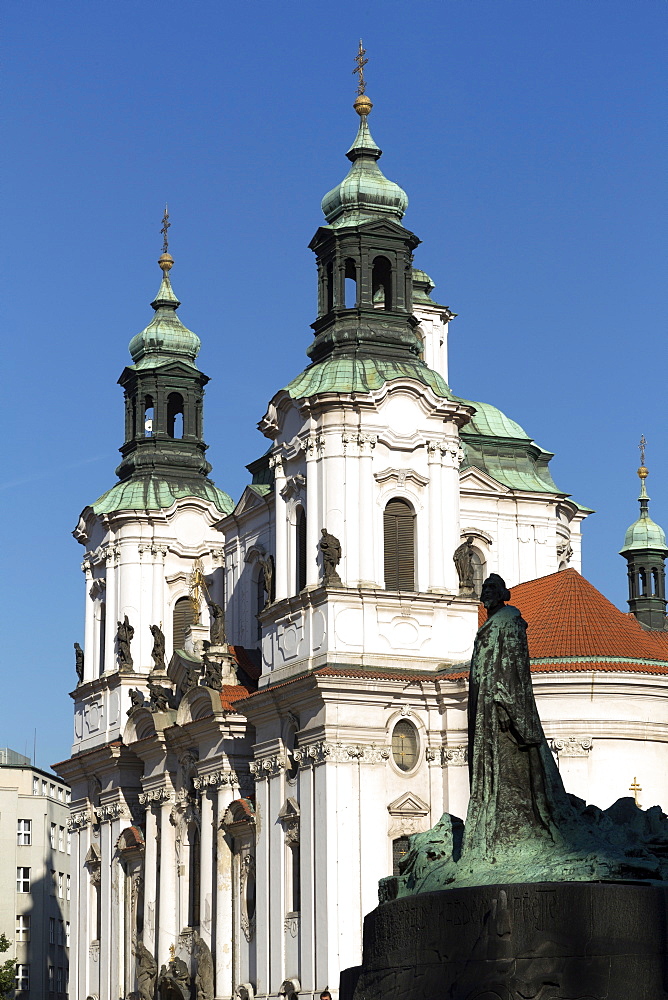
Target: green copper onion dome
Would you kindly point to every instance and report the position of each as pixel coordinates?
(165, 336)
(644, 533)
(365, 193)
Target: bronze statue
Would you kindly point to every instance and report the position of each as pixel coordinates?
(79, 664)
(158, 651)
(330, 547)
(267, 566)
(123, 639)
(463, 559)
(147, 971)
(217, 631)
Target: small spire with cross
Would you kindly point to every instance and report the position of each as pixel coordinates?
(165, 228)
(635, 788)
(359, 69)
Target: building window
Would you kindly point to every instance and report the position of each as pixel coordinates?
(23, 880)
(68, 883)
(182, 619)
(61, 836)
(52, 930)
(22, 978)
(301, 549)
(400, 848)
(59, 939)
(479, 570)
(22, 927)
(60, 884)
(59, 980)
(68, 796)
(35, 785)
(399, 542)
(52, 790)
(44, 787)
(405, 745)
(60, 794)
(52, 979)
(52, 836)
(67, 934)
(69, 842)
(24, 833)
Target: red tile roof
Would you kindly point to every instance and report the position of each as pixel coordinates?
(569, 619)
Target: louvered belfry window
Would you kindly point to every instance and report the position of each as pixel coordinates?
(399, 529)
(184, 617)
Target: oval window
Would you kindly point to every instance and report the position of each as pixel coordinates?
(405, 745)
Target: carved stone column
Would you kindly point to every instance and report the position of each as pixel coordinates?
(437, 557)
(368, 514)
(206, 903)
(312, 511)
(167, 929)
(110, 660)
(224, 887)
(150, 877)
(281, 528)
(452, 459)
(158, 585)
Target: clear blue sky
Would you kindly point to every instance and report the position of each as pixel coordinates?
(531, 139)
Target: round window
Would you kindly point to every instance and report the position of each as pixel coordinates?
(405, 745)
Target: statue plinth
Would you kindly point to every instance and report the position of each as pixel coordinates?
(593, 941)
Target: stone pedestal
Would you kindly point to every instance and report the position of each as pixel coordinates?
(547, 940)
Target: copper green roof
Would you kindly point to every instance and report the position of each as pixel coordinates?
(154, 493)
(644, 533)
(347, 374)
(165, 336)
(423, 286)
(365, 193)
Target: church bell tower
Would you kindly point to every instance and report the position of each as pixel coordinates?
(645, 552)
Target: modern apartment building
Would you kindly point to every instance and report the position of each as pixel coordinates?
(35, 876)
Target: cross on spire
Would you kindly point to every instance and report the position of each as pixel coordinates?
(635, 788)
(165, 227)
(642, 446)
(359, 69)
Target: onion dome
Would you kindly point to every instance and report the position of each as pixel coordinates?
(365, 193)
(165, 336)
(644, 533)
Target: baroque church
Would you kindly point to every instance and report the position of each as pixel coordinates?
(272, 693)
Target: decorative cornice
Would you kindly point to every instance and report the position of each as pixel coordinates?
(401, 477)
(80, 820)
(156, 795)
(216, 779)
(341, 753)
(268, 766)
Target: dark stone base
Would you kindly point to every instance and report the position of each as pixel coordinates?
(530, 941)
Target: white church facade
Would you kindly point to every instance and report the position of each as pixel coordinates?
(240, 783)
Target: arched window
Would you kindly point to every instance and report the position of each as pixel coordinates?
(351, 284)
(301, 549)
(400, 848)
(149, 416)
(642, 582)
(381, 283)
(175, 415)
(399, 539)
(182, 619)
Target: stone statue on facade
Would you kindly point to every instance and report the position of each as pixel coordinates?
(79, 661)
(330, 547)
(245, 991)
(147, 971)
(174, 978)
(213, 673)
(136, 700)
(217, 631)
(267, 567)
(124, 635)
(463, 559)
(204, 978)
(161, 698)
(158, 651)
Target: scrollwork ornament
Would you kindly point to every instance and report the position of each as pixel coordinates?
(454, 756)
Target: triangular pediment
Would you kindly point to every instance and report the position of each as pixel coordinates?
(290, 809)
(250, 498)
(408, 804)
(475, 479)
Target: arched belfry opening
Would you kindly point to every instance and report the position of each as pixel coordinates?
(381, 283)
(175, 415)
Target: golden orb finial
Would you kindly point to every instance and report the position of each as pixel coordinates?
(362, 105)
(166, 262)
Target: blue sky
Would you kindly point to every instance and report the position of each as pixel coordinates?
(530, 137)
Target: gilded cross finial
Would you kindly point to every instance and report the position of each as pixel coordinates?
(359, 69)
(165, 227)
(642, 471)
(635, 788)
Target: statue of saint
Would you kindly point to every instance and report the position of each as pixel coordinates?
(267, 565)
(330, 547)
(147, 971)
(123, 639)
(213, 673)
(158, 651)
(79, 661)
(136, 699)
(516, 791)
(217, 631)
(463, 559)
(162, 698)
(204, 982)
